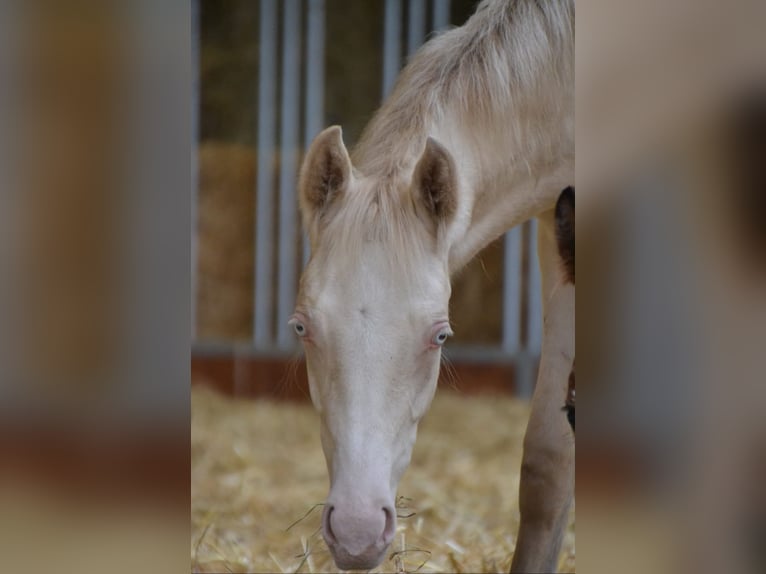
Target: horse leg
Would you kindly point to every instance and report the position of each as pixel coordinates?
(547, 468)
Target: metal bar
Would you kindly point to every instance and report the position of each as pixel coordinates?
(195, 90)
(527, 366)
(441, 14)
(12, 158)
(306, 249)
(315, 71)
(472, 353)
(528, 357)
(223, 348)
(392, 35)
(267, 73)
(416, 25)
(315, 42)
(535, 314)
(290, 142)
(512, 274)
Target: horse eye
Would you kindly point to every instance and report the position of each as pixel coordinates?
(298, 326)
(441, 337)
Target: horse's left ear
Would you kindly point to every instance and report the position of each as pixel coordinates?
(324, 177)
(434, 183)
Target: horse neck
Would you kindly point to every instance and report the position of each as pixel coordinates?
(497, 93)
(502, 181)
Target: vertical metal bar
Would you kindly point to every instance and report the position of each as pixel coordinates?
(195, 97)
(392, 34)
(315, 39)
(290, 142)
(306, 248)
(441, 14)
(267, 74)
(12, 156)
(315, 70)
(535, 314)
(512, 274)
(527, 358)
(416, 25)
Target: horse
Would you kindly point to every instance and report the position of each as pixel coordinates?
(476, 137)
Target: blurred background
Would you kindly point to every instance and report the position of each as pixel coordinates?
(99, 102)
(271, 76)
(94, 285)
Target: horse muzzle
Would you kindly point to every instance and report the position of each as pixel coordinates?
(358, 535)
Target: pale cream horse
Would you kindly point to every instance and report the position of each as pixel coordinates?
(477, 136)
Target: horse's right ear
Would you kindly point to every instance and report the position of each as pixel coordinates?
(324, 176)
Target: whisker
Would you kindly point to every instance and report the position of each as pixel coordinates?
(450, 374)
(289, 379)
(284, 380)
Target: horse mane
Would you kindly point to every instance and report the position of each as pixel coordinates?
(502, 63)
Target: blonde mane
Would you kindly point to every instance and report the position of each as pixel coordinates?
(501, 64)
(498, 70)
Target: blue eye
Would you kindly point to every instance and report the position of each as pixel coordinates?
(441, 337)
(298, 326)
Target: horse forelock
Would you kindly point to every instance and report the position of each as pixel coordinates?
(380, 217)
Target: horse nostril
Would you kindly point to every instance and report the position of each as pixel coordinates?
(329, 534)
(390, 528)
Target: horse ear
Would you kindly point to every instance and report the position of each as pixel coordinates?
(435, 183)
(565, 231)
(324, 175)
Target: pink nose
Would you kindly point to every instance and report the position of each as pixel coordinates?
(358, 536)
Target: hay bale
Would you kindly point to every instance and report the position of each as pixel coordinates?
(225, 233)
(258, 468)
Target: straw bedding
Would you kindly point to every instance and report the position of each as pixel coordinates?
(258, 468)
